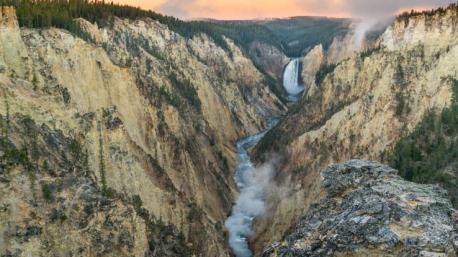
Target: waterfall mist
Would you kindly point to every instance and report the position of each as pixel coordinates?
(253, 183)
(362, 28)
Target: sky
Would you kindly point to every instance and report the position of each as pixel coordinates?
(258, 9)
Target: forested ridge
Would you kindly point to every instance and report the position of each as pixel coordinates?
(299, 34)
(62, 14)
(292, 36)
(405, 16)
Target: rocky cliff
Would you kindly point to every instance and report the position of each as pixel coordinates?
(360, 109)
(368, 210)
(126, 141)
(269, 58)
(343, 47)
(311, 65)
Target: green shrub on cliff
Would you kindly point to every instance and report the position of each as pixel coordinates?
(323, 72)
(368, 52)
(430, 153)
(186, 89)
(405, 16)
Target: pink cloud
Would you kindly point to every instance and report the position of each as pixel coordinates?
(247, 9)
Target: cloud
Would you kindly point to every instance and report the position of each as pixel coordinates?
(226, 9)
(246, 9)
(381, 9)
(145, 4)
(233, 9)
(178, 8)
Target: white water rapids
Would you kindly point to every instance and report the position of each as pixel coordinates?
(252, 183)
(291, 79)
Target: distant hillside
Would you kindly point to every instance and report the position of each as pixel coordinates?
(299, 33)
(294, 35)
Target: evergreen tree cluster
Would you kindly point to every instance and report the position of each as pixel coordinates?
(187, 90)
(245, 32)
(405, 16)
(430, 153)
(299, 34)
(323, 72)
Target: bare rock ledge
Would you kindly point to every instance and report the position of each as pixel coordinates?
(370, 211)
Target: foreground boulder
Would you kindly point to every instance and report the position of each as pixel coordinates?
(369, 210)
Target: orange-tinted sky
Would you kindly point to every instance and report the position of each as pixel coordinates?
(249, 9)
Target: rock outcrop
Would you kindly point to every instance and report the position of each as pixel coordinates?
(361, 109)
(269, 58)
(311, 64)
(434, 31)
(370, 211)
(156, 116)
(342, 48)
(355, 41)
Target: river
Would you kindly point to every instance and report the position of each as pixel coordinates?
(251, 183)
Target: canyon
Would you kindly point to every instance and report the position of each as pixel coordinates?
(142, 108)
(136, 140)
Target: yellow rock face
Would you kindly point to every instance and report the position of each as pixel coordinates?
(312, 63)
(160, 111)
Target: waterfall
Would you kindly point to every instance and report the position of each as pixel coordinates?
(291, 78)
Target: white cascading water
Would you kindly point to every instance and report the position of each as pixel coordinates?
(252, 183)
(291, 77)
